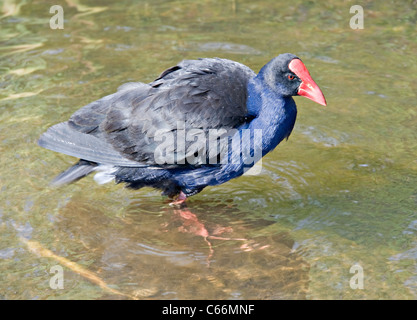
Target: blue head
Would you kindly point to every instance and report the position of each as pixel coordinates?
(286, 75)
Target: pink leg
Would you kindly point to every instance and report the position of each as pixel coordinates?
(180, 200)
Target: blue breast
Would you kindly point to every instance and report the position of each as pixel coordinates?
(273, 120)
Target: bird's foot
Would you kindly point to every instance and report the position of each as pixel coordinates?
(179, 201)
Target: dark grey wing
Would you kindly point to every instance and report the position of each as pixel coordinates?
(194, 96)
(62, 138)
(81, 137)
(125, 128)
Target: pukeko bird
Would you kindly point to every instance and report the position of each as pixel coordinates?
(159, 134)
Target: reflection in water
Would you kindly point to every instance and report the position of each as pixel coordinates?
(183, 254)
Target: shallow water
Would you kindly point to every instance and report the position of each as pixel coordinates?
(341, 191)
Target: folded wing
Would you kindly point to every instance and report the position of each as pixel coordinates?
(122, 129)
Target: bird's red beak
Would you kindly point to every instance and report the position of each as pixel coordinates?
(308, 88)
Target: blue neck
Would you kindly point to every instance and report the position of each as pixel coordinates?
(274, 114)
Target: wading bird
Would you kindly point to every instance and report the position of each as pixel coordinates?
(119, 136)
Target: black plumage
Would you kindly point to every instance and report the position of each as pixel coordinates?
(120, 129)
(120, 135)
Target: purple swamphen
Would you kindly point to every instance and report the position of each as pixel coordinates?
(160, 134)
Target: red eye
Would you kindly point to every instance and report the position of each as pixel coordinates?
(291, 77)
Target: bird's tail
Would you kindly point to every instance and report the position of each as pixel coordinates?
(74, 173)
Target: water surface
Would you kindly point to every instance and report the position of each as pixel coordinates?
(341, 191)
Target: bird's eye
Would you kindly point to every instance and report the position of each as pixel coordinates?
(291, 77)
